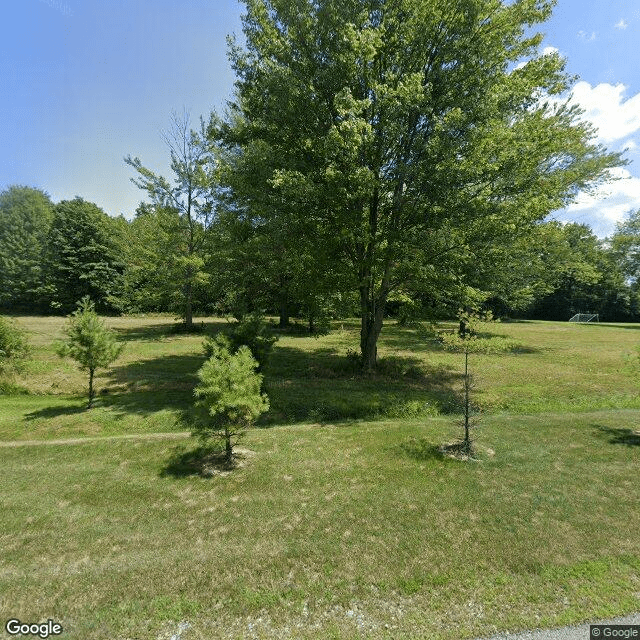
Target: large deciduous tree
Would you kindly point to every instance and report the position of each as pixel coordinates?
(590, 280)
(398, 133)
(189, 197)
(82, 257)
(25, 217)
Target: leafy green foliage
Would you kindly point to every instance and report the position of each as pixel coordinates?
(82, 257)
(184, 212)
(591, 279)
(89, 342)
(254, 332)
(400, 163)
(213, 345)
(152, 281)
(625, 245)
(25, 217)
(229, 391)
(251, 331)
(13, 344)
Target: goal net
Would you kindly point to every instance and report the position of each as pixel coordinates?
(585, 317)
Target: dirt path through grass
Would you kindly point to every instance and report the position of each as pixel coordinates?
(175, 435)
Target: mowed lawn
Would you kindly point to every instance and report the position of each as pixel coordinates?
(346, 524)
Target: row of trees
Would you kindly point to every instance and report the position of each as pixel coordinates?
(377, 155)
(53, 255)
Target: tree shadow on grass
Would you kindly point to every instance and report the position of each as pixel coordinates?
(54, 412)
(325, 386)
(164, 330)
(160, 373)
(159, 331)
(419, 449)
(419, 340)
(620, 435)
(317, 386)
(151, 385)
(203, 461)
(610, 325)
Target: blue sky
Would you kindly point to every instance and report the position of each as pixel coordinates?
(86, 82)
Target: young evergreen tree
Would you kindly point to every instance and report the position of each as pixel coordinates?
(399, 132)
(229, 392)
(89, 342)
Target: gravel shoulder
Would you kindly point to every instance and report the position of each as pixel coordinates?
(574, 632)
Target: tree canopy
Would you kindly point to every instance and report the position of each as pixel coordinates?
(82, 257)
(191, 201)
(403, 136)
(625, 244)
(25, 217)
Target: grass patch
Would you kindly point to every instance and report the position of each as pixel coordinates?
(349, 524)
(552, 367)
(334, 529)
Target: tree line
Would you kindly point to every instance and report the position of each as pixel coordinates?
(54, 254)
(376, 158)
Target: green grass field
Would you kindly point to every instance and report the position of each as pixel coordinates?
(342, 521)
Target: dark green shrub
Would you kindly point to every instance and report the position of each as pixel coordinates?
(256, 334)
(14, 346)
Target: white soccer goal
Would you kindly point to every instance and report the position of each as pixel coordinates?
(585, 317)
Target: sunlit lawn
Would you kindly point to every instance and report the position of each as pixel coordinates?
(347, 524)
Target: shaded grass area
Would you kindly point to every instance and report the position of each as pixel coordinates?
(344, 531)
(542, 367)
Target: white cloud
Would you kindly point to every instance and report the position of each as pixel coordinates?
(621, 25)
(604, 105)
(607, 205)
(583, 35)
(616, 119)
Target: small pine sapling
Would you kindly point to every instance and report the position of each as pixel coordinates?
(229, 391)
(89, 342)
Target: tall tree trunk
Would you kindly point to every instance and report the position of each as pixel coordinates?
(372, 308)
(188, 310)
(188, 288)
(372, 312)
(91, 391)
(284, 314)
(372, 301)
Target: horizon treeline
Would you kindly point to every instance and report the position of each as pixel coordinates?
(54, 254)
